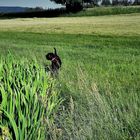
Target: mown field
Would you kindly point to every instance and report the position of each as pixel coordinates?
(99, 81)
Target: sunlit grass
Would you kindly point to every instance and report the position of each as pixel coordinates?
(104, 25)
(29, 100)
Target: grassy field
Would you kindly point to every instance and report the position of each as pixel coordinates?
(105, 25)
(100, 76)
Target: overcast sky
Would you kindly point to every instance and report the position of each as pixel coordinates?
(29, 3)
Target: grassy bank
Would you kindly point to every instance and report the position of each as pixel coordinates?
(100, 75)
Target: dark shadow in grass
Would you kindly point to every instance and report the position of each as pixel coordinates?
(45, 13)
(30, 14)
(0, 132)
(5, 118)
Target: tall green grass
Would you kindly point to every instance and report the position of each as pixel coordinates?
(29, 100)
(98, 112)
(100, 11)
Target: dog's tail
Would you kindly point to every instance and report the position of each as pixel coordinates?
(55, 52)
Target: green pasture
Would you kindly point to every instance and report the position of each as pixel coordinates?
(99, 81)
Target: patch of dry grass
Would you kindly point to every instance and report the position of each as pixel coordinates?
(103, 25)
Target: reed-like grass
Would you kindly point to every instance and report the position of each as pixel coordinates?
(28, 100)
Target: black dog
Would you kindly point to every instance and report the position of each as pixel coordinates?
(55, 62)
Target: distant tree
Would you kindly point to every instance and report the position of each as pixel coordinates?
(36, 9)
(71, 5)
(137, 2)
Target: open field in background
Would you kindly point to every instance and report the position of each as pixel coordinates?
(100, 75)
(105, 25)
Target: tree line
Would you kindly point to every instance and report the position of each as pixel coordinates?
(77, 5)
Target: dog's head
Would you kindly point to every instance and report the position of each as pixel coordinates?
(51, 56)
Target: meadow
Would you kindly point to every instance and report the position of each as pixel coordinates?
(98, 85)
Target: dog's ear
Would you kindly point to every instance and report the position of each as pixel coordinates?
(48, 56)
(55, 52)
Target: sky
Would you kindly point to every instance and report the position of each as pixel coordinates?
(29, 3)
